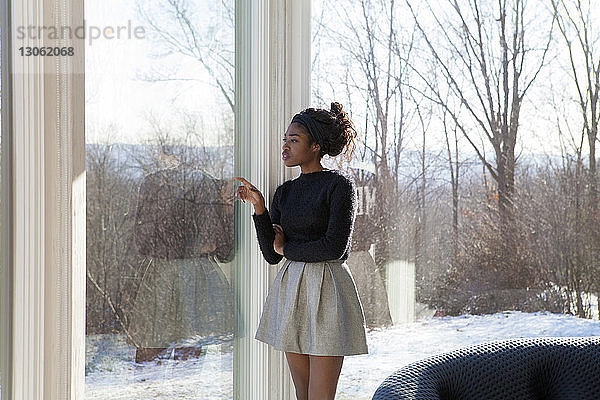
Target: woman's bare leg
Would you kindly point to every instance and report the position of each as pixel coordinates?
(300, 368)
(324, 375)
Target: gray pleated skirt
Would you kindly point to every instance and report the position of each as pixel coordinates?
(180, 299)
(314, 308)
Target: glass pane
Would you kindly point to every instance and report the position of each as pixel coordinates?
(159, 127)
(477, 218)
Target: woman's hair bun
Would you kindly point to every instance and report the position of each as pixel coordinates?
(338, 129)
(336, 109)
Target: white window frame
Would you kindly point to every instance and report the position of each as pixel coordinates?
(273, 43)
(48, 166)
(48, 198)
(5, 217)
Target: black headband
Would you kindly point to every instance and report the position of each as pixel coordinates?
(314, 128)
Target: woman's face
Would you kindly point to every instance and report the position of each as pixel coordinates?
(297, 148)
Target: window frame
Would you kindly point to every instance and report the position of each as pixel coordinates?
(48, 207)
(273, 44)
(6, 201)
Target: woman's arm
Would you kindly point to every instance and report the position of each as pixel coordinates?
(337, 238)
(263, 221)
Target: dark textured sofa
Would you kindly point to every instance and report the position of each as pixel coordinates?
(516, 369)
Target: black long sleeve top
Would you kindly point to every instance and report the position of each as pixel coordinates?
(182, 214)
(316, 211)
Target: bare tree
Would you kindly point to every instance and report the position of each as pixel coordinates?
(488, 62)
(111, 263)
(454, 169)
(181, 29)
(559, 215)
(374, 52)
(576, 26)
(422, 188)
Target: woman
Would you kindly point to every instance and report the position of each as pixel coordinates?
(183, 293)
(312, 312)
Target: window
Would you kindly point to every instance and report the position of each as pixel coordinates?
(49, 201)
(160, 160)
(472, 210)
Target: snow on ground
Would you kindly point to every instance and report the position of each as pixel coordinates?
(111, 372)
(392, 348)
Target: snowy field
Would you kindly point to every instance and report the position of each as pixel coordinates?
(111, 372)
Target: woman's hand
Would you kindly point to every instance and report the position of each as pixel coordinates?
(248, 192)
(279, 241)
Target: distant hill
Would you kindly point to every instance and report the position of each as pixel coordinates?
(218, 161)
(137, 159)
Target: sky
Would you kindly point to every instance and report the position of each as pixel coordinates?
(120, 104)
(537, 124)
(116, 93)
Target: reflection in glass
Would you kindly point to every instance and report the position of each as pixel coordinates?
(182, 223)
(368, 278)
(159, 162)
